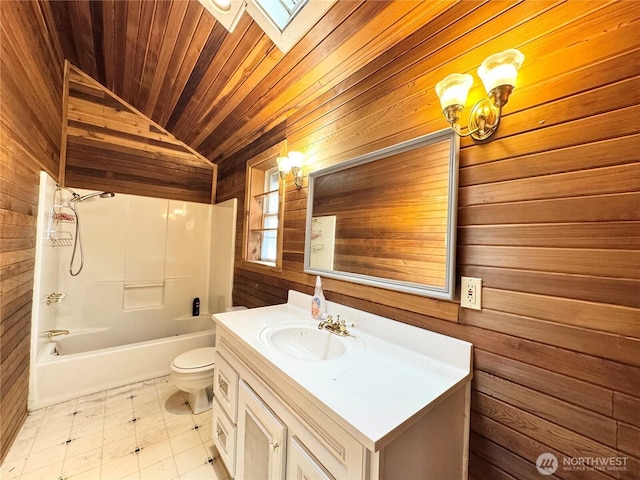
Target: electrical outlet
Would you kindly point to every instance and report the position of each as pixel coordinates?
(471, 293)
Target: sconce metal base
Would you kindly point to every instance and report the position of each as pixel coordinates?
(500, 95)
(452, 113)
(297, 177)
(484, 119)
(296, 173)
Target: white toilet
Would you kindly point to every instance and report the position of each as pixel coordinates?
(192, 372)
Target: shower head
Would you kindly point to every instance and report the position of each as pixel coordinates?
(78, 198)
(72, 204)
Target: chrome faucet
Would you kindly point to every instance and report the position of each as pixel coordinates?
(55, 333)
(338, 327)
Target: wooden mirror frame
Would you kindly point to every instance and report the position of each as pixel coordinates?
(447, 289)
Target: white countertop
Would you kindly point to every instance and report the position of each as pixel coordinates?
(400, 373)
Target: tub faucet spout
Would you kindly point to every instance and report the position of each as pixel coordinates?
(55, 333)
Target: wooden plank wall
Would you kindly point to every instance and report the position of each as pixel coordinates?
(112, 146)
(31, 97)
(548, 217)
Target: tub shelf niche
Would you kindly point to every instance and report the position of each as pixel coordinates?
(143, 295)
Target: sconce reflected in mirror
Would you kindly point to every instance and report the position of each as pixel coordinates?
(498, 73)
(291, 164)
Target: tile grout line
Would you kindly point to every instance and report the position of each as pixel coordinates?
(147, 401)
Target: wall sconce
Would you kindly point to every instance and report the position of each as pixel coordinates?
(291, 164)
(498, 73)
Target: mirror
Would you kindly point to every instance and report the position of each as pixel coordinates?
(388, 218)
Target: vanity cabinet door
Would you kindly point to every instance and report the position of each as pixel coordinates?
(261, 448)
(302, 465)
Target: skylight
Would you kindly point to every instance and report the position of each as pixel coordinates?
(280, 12)
(281, 20)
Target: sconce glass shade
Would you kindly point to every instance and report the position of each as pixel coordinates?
(222, 5)
(501, 69)
(291, 164)
(453, 90)
(284, 166)
(296, 159)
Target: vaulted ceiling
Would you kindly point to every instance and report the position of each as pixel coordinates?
(219, 91)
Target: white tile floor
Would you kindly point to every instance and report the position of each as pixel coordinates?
(140, 431)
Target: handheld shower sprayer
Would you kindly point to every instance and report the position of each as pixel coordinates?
(73, 201)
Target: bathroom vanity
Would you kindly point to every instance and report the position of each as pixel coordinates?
(293, 401)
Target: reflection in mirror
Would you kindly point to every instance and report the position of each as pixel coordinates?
(323, 242)
(388, 218)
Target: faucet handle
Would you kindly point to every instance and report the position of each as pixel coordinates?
(342, 326)
(54, 298)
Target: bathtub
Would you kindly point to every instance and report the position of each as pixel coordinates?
(90, 361)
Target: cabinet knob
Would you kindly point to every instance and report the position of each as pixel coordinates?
(222, 385)
(275, 445)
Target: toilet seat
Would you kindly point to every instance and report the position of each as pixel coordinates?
(194, 360)
(192, 372)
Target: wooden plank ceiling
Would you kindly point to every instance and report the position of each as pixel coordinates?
(218, 91)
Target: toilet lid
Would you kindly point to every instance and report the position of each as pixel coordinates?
(198, 358)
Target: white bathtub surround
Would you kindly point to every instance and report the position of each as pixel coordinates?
(142, 331)
(223, 244)
(46, 270)
(401, 392)
(96, 437)
(144, 257)
(145, 260)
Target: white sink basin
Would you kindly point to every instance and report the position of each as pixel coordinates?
(305, 341)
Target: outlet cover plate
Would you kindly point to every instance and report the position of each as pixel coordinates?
(471, 293)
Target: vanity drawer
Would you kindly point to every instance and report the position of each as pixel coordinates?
(225, 387)
(224, 437)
